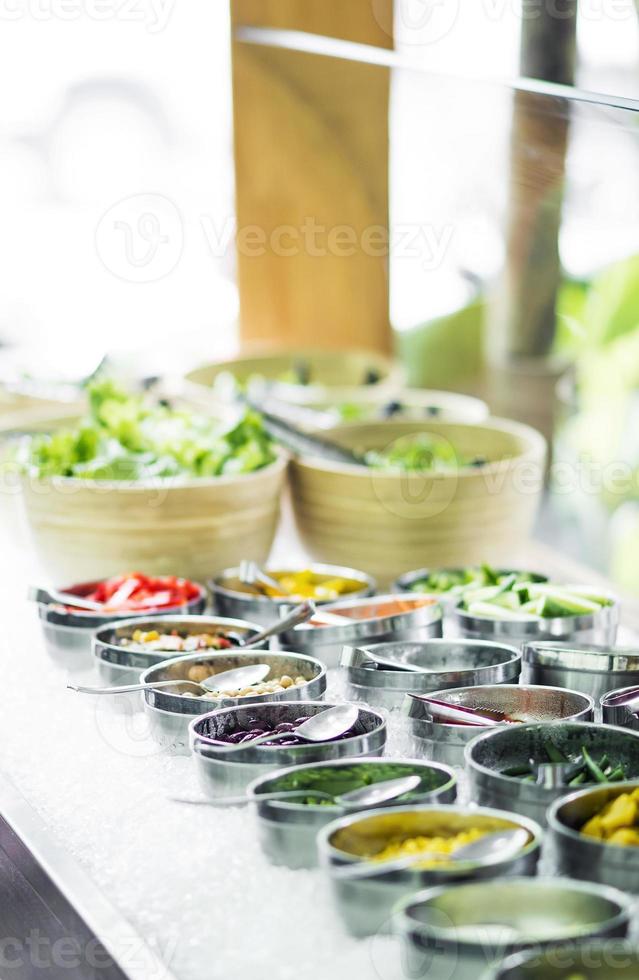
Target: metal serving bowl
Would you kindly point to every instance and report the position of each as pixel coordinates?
(445, 664)
(288, 829)
(515, 745)
(619, 714)
(68, 634)
(596, 627)
(119, 664)
(231, 600)
(585, 857)
(457, 933)
(421, 623)
(446, 743)
(406, 582)
(224, 773)
(584, 667)
(603, 959)
(365, 904)
(170, 709)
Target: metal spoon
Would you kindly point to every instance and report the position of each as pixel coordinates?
(53, 597)
(323, 727)
(227, 680)
(355, 799)
(487, 850)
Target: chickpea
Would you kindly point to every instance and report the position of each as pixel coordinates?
(286, 681)
(198, 672)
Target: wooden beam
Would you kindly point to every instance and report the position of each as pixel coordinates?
(311, 161)
(363, 21)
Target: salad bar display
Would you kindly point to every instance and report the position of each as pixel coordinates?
(411, 765)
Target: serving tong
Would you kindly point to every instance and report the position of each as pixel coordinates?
(363, 657)
(626, 699)
(302, 443)
(53, 597)
(456, 714)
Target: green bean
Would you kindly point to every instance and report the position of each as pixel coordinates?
(598, 775)
(554, 754)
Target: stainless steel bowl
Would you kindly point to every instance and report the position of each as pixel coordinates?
(446, 743)
(515, 745)
(68, 635)
(170, 710)
(602, 959)
(597, 627)
(445, 664)
(117, 664)
(223, 773)
(365, 904)
(230, 600)
(585, 857)
(581, 667)
(406, 582)
(458, 933)
(619, 714)
(326, 642)
(288, 829)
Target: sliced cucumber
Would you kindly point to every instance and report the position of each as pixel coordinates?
(560, 604)
(492, 611)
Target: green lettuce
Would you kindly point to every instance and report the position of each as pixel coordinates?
(129, 437)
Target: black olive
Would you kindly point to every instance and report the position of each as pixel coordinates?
(392, 408)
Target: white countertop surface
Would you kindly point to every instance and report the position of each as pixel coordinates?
(192, 882)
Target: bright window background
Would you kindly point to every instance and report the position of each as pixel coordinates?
(132, 108)
(110, 101)
(482, 38)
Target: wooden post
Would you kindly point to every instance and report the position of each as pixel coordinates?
(311, 162)
(525, 316)
(521, 376)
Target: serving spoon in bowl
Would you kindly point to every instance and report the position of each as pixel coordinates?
(486, 850)
(227, 680)
(356, 799)
(322, 727)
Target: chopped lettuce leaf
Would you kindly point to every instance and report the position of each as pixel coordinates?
(128, 437)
